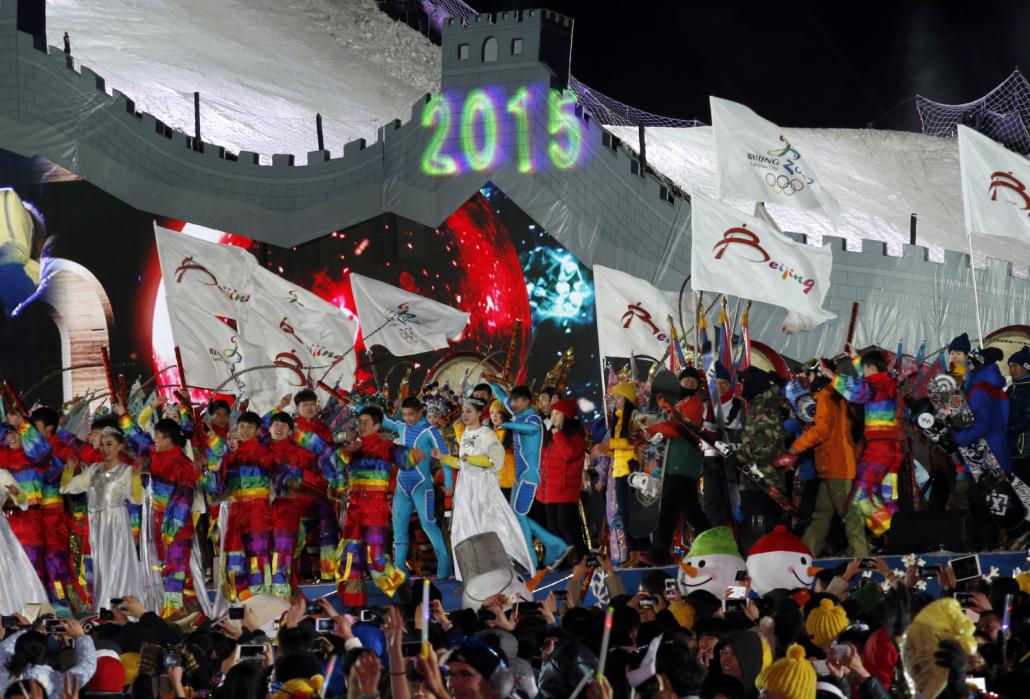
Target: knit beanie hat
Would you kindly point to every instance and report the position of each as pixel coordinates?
(109, 675)
(1021, 357)
(566, 406)
(627, 390)
(825, 622)
(960, 344)
(791, 677)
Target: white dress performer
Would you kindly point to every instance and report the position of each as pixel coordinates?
(108, 486)
(479, 504)
(19, 584)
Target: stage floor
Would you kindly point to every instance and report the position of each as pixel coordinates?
(997, 562)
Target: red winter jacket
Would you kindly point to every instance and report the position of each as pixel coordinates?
(561, 468)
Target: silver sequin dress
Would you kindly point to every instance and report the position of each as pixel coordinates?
(116, 567)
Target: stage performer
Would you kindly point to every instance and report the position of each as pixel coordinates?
(296, 478)
(25, 454)
(875, 491)
(483, 392)
(19, 583)
(958, 356)
(498, 416)
(173, 479)
(761, 442)
(1018, 427)
(108, 485)
(561, 473)
(479, 505)
(528, 431)
(415, 485)
(721, 496)
(985, 394)
(364, 466)
(56, 533)
(317, 557)
(244, 480)
(683, 463)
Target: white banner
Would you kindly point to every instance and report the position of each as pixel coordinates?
(212, 352)
(757, 161)
(402, 322)
(310, 339)
(737, 254)
(205, 276)
(994, 187)
(632, 315)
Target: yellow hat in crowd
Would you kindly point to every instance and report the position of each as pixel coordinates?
(626, 389)
(825, 622)
(791, 677)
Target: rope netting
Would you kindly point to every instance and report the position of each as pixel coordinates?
(1002, 114)
(607, 110)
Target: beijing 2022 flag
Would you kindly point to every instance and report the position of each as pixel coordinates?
(756, 160)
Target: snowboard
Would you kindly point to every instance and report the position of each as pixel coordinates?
(1007, 497)
(645, 501)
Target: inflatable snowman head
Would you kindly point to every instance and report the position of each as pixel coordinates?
(711, 564)
(780, 560)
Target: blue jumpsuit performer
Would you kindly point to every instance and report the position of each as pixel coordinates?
(415, 485)
(528, 434)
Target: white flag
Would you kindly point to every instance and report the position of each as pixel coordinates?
(757, 161)
(632, 315)
(308, 338)
(206, 276)
(994, 187)
(212, 352)
(733, 253)
(402, 322)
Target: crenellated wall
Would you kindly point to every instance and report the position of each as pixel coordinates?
(602, 210)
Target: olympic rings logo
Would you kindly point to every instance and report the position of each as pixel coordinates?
(782, 184)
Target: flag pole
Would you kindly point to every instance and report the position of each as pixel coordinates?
(976, 292)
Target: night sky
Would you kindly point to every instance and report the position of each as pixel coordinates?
(796, 63)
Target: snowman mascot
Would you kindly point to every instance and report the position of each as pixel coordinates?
(711, 564)
(780, 560)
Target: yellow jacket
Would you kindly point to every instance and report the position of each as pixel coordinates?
(623, 450)
(507, 472)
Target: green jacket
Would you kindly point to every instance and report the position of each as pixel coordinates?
(682, 458)
(762, 439)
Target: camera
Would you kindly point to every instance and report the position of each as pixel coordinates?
(314, 608)
(249, 650)
(237, 613)
(927, 571)
(52, 625)
(118, 604)
(106, 615)
(10, 622)
(324, 625)
(371, 616)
